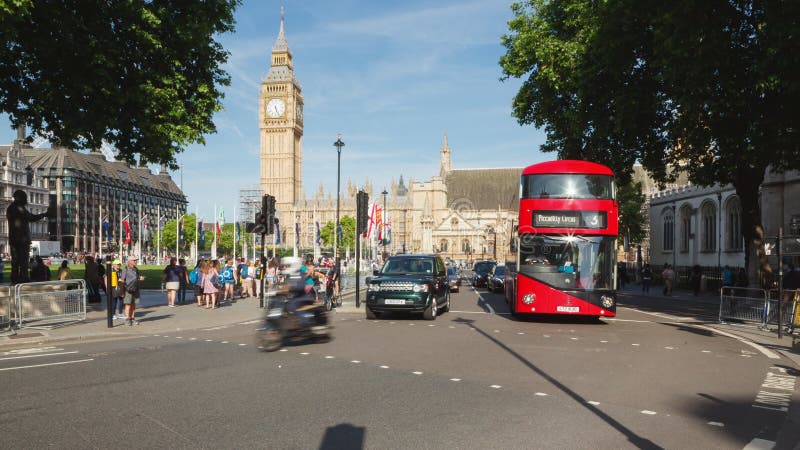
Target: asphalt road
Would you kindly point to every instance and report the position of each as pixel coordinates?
(474, 378)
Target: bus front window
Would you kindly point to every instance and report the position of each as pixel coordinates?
(568, 262)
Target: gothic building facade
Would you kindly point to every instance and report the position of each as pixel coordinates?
(463, 214)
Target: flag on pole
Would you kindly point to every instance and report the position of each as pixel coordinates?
(107, 228)
(181, 232)
(297, 234)
(202, 233)
(238, 231)
(341, 234)
(318, 239)
(220, 222)
(127, 226)
(277, 234)
(372, 221)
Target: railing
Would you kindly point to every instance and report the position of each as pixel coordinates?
(757, 307)
(50, 303)
(7, 310)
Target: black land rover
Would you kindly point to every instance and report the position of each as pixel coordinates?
(409, 283)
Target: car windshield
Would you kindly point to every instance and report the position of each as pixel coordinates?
(483, 267)
(499, 271)
(408, 265)
(451, 271)
(568, 262)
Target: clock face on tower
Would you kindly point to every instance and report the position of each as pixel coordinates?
(276, 107)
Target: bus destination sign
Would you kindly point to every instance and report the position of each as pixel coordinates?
(570, 219)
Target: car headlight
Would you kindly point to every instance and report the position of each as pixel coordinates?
(528, 299)
(374, 287)
(420, 287)
(607, 301)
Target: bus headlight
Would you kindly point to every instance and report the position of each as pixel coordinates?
(607, 301)
(528, 298)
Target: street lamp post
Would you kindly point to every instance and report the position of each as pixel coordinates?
(338, 144)
(383, 219)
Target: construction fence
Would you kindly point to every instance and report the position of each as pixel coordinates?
(759, 307)
(45, 304)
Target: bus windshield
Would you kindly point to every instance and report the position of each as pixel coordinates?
(568, 262)
(579, 186)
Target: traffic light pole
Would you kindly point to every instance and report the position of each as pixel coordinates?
(263, 273)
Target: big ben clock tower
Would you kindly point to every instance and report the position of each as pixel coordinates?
(280, 119)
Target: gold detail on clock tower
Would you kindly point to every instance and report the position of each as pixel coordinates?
(280, 120)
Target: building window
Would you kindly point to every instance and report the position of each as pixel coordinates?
(709, 220)
(465, 246)
(443, 245)
(733, 230)
(686, 227)
(668, 239)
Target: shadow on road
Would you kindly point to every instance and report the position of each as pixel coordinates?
(633, 438)
(343, 436)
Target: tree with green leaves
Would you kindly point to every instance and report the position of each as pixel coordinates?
(169, 234)
(348, 225)
(708, 88)
(144, 76)
(632, 217)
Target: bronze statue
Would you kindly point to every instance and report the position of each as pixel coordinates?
(19, 235)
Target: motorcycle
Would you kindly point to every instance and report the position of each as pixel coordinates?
(282, 325)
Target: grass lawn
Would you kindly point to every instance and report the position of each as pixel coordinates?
(152, 274)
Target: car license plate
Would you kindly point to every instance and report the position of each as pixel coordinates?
(569, 309)
(390, 301)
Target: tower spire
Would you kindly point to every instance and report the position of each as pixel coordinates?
(445, 165)
(281, 46)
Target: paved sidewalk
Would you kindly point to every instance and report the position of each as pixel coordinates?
(154, 317)
(788, 345)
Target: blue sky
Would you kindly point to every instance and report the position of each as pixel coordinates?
(392, 77)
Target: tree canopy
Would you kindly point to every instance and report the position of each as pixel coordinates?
(144, 76)
(705, 87)
(348, 225)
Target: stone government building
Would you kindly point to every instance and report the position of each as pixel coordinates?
(464, 214)
(81, 186)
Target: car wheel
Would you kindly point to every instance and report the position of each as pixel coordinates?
(371, 315)
(446, 307)
(431, 310)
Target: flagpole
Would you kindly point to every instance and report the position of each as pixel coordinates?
(195, 258)
(214, 244)
(100, 228)
(158, 232)
(177, 231)
(234, 234)
(140, 231)
(120, 232)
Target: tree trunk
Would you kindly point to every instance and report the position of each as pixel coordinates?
(747, 183)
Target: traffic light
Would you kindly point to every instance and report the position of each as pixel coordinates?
(362, 200)
(268, 211)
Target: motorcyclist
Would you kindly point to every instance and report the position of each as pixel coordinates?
(301, 291)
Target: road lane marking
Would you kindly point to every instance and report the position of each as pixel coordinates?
(479, 312)
(591, 402)
(706, 351)
(614, 319)
(766, 352)
(670, 348)
(209, 340)
(716, 424)
(250, 322)
(604, 342)
(417, 372)
(305, 353)
(455, 379)
(328, 357)
(355, 361)
(540, 394)
(283, 349)
(192, 339)
(224, 342)
(664, 316)
(384, 367)
(37, 355)
(574, 339)
(520, 332)
(635, 345)
(48, 364)
(768, 398)
(242, 345)
(649, 413)
(546, 335)
(495, 386)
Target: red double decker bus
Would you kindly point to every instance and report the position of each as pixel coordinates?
(565, 244)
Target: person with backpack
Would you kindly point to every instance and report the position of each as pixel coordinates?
(647, 278)
(196, 280)
(228, 279)
(183, 281)
(241, 272)
(129, 283)
(170, 279)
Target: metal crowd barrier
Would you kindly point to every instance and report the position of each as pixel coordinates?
(758, 307)
(743, 305)
(49, 304)
(6, 310)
